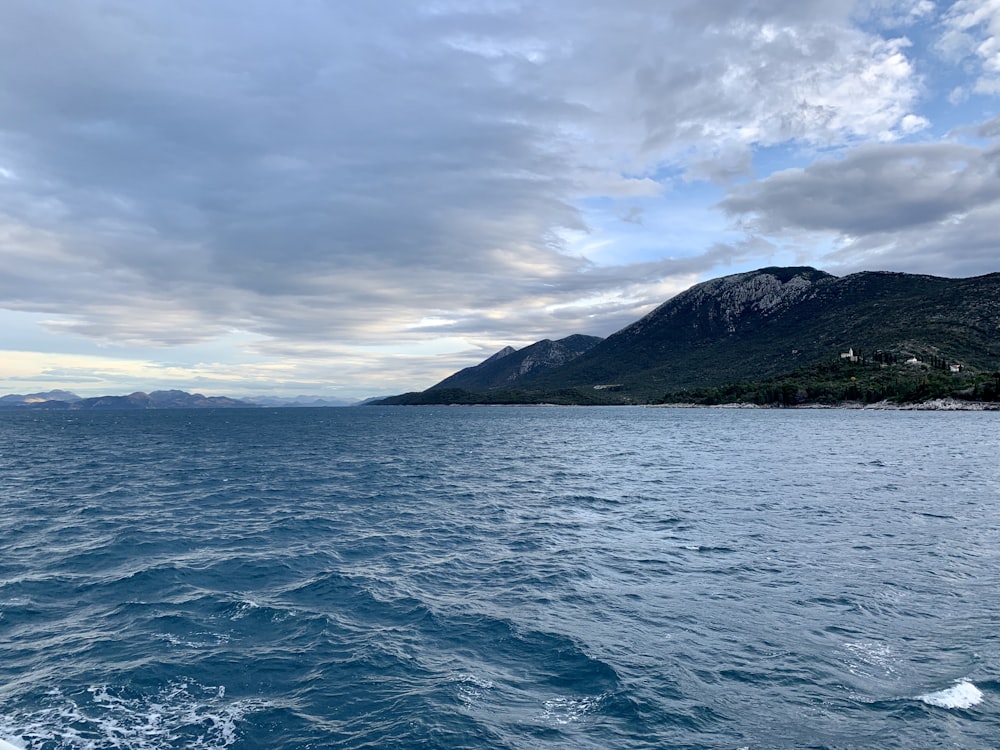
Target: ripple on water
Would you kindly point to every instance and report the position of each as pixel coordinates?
(503, 578)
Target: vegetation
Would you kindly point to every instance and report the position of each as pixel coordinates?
(869, 380)
(875, 378)
(748, 328)
(773, 336)
(515, 396)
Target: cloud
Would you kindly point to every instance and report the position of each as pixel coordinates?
(174, 171)
(893, 14)
(963, 246)
(632, 216)
(972, 31)
(919, 207)
(872, 189)
(989, 129)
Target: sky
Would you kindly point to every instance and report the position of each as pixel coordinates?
(245, 198)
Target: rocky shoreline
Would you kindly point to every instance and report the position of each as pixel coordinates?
(937, 404)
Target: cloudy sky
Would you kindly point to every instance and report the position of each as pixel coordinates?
(244, 197)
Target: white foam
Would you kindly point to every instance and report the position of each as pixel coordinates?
(963, 694)
(564, 710)
(210, 640)
(247, 606)
(479, 682)
(200, 713)
(244, 608)
(869, 657)
(471, 689)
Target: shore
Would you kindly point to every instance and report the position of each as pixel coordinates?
(937, 404)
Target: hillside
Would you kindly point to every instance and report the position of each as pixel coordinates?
(766, 324)
(510, 366)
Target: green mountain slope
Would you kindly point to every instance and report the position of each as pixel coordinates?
(763, 325)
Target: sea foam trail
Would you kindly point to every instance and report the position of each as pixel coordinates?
(963, 694)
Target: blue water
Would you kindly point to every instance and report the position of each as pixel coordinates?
(500, 578)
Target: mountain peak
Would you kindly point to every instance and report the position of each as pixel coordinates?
(724, 305)
(507, 350)
(760, 291)
(751, 327)
(510, 365)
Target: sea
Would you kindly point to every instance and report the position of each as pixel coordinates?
(500, 577)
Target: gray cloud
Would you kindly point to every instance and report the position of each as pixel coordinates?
(961, 247)
(929, 208)
(872, 189)
(989, 129)
(172, 171)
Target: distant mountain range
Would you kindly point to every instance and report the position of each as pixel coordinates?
(300, 401)
(16, 400)
(56, 400)
(52, 400)
(783, 336)
(770, 326)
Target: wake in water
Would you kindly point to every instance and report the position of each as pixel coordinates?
(198, 716)
(963, 694)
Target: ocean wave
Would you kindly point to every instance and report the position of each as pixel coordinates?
(963, 694)
(200, 716)
(499, 579)
(566, 710)
(869, 657)
(472, 689)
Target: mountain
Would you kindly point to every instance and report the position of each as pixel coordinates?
(300, 401)
(763, 325)
(138, 400)
(510, 366)
(758, 325)
(17, 399)
(174, 399)
(161, 400)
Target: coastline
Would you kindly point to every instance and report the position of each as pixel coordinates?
(936, 404)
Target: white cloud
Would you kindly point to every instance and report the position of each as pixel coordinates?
(972, 30)
(893, 14)
(339, 173)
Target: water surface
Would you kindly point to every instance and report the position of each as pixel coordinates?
(499, 578)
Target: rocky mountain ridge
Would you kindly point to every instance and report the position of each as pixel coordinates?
(761, 325)
(511, 366)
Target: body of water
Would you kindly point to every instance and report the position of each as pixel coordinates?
(500, 578)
